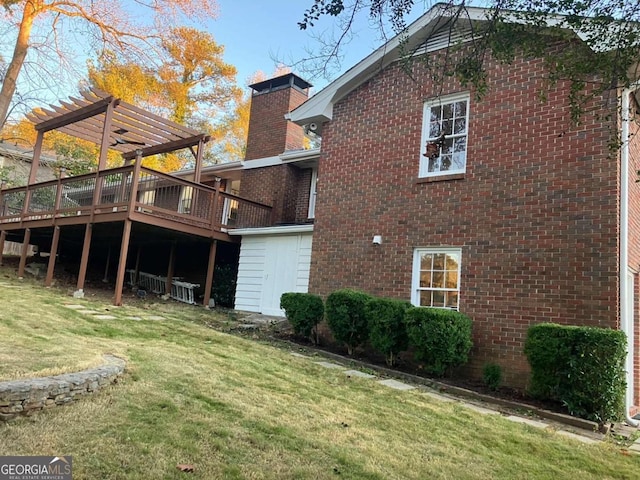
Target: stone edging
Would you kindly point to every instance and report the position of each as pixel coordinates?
(27, 396)
(581, 423)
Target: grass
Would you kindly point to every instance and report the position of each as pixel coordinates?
(237, 408)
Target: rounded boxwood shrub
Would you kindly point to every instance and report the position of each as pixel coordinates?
(346, 317)
(441, 338)
(304, 312)
(387, 332)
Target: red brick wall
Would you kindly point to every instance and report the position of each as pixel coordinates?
(269, 133)
(303, 189)
(535, 214)
(285, 187)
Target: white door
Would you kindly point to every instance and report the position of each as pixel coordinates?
(280, 272)
(269, 266)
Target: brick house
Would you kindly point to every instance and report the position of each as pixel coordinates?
(519, 217)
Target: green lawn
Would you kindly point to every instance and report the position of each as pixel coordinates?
(237, 408)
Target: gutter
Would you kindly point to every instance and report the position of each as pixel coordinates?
(626, 316)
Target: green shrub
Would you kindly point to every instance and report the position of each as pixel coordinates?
(304, 312)
(441, 338)
(346, 318)
(387, 332)
(582, 367)
(492, 376)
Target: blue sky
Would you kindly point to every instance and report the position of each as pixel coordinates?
(253, 32)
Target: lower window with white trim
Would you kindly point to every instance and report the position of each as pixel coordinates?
(436, 277)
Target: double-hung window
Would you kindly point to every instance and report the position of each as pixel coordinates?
(444, 136)
(436, 277)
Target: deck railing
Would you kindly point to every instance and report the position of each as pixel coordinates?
(153, 193)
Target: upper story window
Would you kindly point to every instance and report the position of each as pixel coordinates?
(444, 136)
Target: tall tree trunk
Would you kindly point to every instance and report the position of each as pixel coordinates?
(31, 10)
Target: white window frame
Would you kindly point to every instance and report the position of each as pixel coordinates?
(415, 282)
(426, 138)
(313, 193)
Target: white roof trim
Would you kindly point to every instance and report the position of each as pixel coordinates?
(219, 167)
(261, 162)
(281, 230)
(295, 155)
(319, 108)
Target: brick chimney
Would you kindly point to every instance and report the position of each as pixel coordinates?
(269, 133)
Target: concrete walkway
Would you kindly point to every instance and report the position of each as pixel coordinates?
(111, 315)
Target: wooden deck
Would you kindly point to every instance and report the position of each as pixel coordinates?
(131, 192)
(115, 204)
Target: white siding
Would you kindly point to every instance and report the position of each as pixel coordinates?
(250, 274)
(269, 266)
(304, 264)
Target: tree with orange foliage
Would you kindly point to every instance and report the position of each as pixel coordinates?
(192, 85)
(48, 26)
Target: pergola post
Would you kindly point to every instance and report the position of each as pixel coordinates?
(197, 173)
(210, 269)
(106, 132)
(35, 163)
(3, 236)
(53, 252)
(170, 269)
(25, 250)
(37, 151)
(122, 263)
(84, 261)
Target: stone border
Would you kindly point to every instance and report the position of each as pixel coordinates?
(459, 392)
(28, 396)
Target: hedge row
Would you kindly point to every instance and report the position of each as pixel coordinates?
(582, 367)
(440, 338)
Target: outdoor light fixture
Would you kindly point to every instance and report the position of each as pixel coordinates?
(377, 239)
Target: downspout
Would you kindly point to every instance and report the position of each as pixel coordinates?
(626, 317)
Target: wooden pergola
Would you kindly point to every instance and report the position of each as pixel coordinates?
(113, 124)
(127, 194)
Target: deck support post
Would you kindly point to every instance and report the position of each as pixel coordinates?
(3, 236)
(105, 279)
(170, 269)
(25, 250)
(210, 269)
(53, 252)
(84, 261)
(122, 262)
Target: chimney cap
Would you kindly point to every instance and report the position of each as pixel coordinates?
(284, 81)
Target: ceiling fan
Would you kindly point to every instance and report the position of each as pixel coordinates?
(124, 141)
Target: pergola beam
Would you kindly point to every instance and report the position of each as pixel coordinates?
(75, 116)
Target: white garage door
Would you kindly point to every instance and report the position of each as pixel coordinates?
(270, 266)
